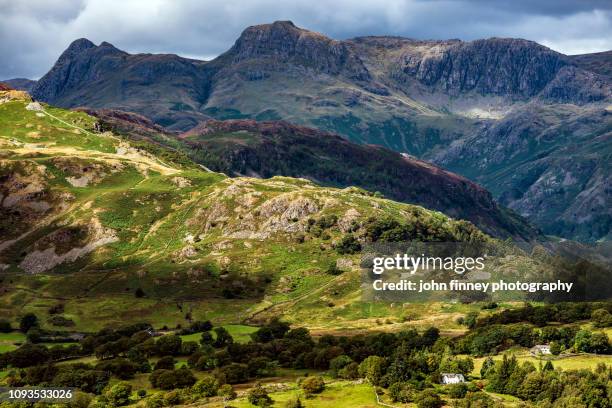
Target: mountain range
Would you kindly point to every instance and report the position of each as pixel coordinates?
(531, 125)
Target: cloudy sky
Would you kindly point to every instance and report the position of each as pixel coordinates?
(34, 32)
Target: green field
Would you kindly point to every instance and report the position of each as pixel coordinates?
(9, 341)
(239, 332)
(336, 394)
(571, 362)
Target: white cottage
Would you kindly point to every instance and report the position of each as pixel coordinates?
(448, 378)
(540, 349)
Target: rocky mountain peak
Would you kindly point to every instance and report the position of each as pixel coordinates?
(78, 45)
(282, 42)
(81, 61)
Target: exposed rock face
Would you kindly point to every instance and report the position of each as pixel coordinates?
(498, 66)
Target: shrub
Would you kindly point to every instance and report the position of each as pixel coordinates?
(428, 399)
(601, 318)
(294, 403)
(170, 379)
(457, 390)
(60, 321)
(227, 392)
(119, 394)
(333, 270)
(348, 245)
(206, 387)
(235, 373)
(402, 392)
(155, 401)
(259, 397)
(312, 385)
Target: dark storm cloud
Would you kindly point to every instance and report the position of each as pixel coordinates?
(33, 33)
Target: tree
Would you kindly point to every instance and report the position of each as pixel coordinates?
(471, 319)
(428, 399)
(312, 385)
(206, 387)
(28, 321)
(487, 365)
(5, 326)
(170, 379)
(119, 394)
(555, 348)
(207, 339)
(600, 343)
(169, 345)
(165, 363)
(582, 341)
(373, 369)
(532, 386)
(259, 397)
(601, 318)
(338, 363)
(349, 372)
(223, 338)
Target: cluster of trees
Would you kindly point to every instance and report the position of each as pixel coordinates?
(566, 312)
(493, 339)
(556, 388)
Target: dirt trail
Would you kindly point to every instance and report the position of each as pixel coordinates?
(29, 148)
(156, 164)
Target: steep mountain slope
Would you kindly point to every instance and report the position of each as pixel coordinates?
(266, 149)
(159, 86)
(87, 217)
(600, 62)
(418, 97)
(551, 164)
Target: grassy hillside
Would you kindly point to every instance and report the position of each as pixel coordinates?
(123, 231)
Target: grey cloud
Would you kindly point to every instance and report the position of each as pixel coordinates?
(34, 33)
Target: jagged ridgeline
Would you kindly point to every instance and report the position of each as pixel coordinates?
(121, 230)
